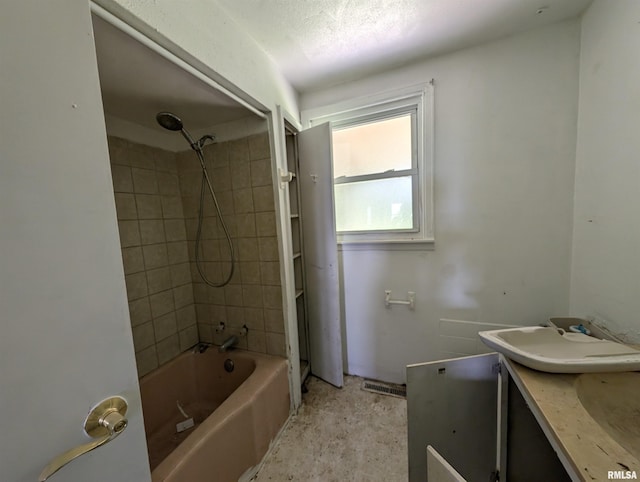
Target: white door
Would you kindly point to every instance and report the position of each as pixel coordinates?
(320, 253)
(65, 338)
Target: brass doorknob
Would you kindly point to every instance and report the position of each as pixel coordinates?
(105, 422)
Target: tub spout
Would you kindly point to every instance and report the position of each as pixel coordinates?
(228, 343)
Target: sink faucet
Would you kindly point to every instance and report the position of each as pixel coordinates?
(228, 343)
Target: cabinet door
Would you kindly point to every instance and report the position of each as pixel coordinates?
(452, 405)
(321, 253)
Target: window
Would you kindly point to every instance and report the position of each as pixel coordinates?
(382, 165)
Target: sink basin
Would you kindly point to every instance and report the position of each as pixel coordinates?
(613, 401)
(552, 350)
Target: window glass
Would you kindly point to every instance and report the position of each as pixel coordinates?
(374, 147)
(378, 205)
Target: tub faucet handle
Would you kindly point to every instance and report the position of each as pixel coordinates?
(220, 327)
(244, 330)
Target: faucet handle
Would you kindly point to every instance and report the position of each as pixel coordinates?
(244, 330)
(220, 327)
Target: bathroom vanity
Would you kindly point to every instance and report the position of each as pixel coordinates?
(491, 418)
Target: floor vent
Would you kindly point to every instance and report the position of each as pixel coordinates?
(383, 388)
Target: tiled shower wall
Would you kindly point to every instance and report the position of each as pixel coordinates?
(240, 171)
(157, 198)
(154, 252)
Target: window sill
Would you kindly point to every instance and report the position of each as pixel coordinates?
(388, 245)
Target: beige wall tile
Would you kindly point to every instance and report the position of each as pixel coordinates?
(250, 271)
(132, 260)
(144, 181)
(272, 297)
(155, 256)
(261, 173)
(186, 317)
(143, 336)
(175, 230)
(266, 224)
(188, 337)
(217, 313)
(129, 233)
(146, 360)
(172, 207)
(152, 231)
(243, 201)
(273, 321)
(164, 160)
(180, 275)
(200, 293)
(149, 206)
(257, 341)
(254, 318)
(190, 183)
(276, 344)
(252, 295)
(139, 311)
(183, 296)
(270, 273)
(161, 303)
(168, 184)
(178, 252)
(126, 206)
(168, 349)
(121, 177)
(136, 285)
(233, 295)
(220, 179)
(225, 200)
(245, 225)
(240, 175)
(263, 198)
(187, 160)
(268, 248)
(219, 154)
(259, 146)
(238, 151)
(248, 249)
(139, 156)
(203, 313)
(235, 316)
(165, 326)
(204, 333)
(159, 279)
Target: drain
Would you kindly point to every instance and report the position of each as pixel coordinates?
(229, 365)
(383, 388)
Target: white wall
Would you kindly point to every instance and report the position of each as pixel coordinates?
(606, 264)
(504, 172)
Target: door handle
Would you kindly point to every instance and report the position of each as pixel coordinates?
(104, 423)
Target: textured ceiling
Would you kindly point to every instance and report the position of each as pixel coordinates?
(318, 43)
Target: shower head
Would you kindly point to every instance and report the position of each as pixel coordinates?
(173, 123)
(169, 121)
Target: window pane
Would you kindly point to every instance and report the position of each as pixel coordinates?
(384, 204)
(374, 147)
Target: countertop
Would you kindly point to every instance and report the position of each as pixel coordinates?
(584, 447)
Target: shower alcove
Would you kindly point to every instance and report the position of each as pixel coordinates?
(157, 177)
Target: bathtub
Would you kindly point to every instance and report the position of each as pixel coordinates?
(237, 414)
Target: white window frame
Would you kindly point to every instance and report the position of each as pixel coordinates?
(361, 110)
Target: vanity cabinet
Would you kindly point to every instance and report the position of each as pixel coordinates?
(472, 412)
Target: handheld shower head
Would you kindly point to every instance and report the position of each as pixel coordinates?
(173, 123)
